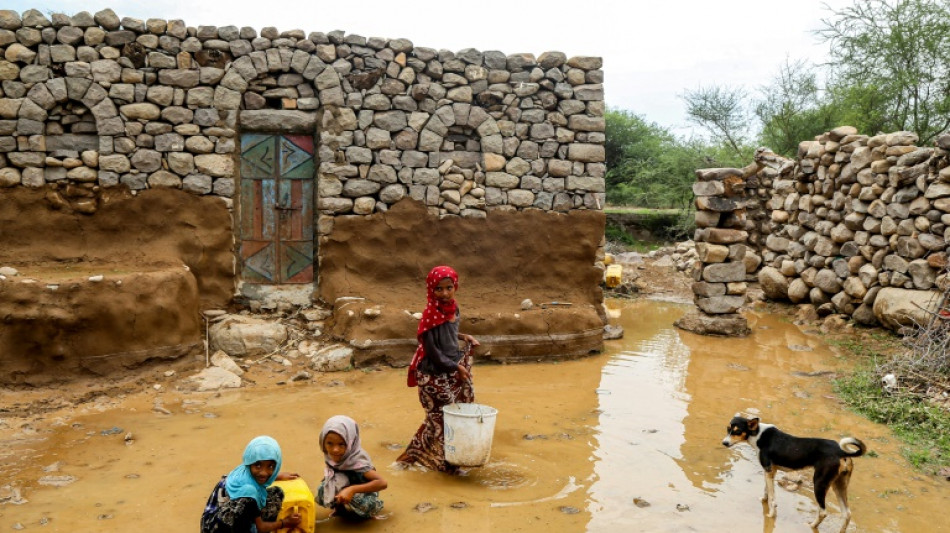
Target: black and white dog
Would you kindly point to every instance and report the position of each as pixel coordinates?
(777, 450)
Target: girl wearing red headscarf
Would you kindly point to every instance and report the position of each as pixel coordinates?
(441, 371)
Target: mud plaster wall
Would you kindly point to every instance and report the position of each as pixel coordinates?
(160, 229)
(501, 261)
(80, 328)
(162, 255)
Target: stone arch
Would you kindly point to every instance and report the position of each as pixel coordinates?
(64, 139)
(258, 90)
(88, 92)
(459, 123)
(45, 96)
(239, 76)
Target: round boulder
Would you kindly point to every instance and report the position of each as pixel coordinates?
(774, 283)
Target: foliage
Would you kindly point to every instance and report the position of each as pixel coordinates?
(793, 109)
(629, 136)
(616, 235)
(647, 166)
(643, 166)
(722, 113)
(890, 65)
(860, 105)
(631, 140)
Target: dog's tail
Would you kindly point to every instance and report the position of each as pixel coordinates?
(852, 447)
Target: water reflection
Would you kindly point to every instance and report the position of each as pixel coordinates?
(667, 397)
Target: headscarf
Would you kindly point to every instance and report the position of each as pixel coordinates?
(241, 484)
(437, 312)
(355, 459)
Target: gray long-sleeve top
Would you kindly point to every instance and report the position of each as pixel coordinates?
(441, 345)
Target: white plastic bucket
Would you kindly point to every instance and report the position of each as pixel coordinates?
(469, 428)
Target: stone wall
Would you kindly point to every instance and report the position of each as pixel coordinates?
(725, 260)
(98, 101)
(851, 216)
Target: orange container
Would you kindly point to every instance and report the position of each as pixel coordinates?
(298, 499)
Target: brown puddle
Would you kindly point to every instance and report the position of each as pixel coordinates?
(624, 441)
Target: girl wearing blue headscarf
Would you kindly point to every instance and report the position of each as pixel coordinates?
(244, 501)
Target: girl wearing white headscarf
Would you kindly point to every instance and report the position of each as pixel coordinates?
(351, 484)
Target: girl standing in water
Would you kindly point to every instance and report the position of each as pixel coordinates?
(243, 501)
(441, 371)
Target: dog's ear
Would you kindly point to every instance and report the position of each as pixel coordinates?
(754, 424)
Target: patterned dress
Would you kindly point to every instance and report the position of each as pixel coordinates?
(225, 515)
(427, 447)
(363, 505)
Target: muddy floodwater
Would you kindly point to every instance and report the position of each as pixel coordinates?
(628, 440)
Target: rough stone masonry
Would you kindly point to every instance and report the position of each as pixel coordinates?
(99, 101)
(856, 225)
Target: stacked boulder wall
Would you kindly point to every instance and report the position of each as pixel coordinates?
(373, 271)
(115, 288)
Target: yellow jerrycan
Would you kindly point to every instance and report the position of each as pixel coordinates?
(298, 500)
(613, 276)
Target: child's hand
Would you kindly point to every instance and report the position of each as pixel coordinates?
(464, 374)
(471, 340)
(291, 521)
(344, 496)
(284, 476)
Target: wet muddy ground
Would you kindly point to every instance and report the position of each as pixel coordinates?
(628, 440)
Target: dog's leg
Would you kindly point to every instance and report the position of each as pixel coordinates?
(770, 492)
(841, 491)
(824, 475)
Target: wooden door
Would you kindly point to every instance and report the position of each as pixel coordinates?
(277, 180)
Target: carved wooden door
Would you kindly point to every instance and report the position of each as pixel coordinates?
(277, 179)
